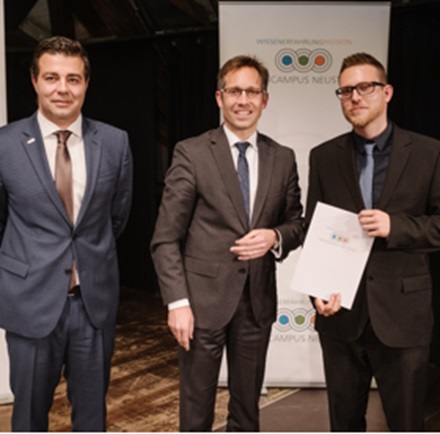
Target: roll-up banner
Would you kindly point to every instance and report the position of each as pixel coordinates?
(5, 393)
(303, 45)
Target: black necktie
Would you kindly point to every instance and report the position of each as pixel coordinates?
(243, 175)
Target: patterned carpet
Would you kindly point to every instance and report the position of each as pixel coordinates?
(143, 395)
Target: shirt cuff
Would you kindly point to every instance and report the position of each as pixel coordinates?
(277, 249)
(178, 303)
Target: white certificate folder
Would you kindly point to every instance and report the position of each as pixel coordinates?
(334, 255)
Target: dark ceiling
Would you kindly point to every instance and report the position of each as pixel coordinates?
(28, 21)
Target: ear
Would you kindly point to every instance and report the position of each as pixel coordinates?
(34, 81)
(265, 99)
(388, 92)
(219, 99)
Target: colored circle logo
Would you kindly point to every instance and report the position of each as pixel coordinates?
(298, 320)
(303, 60)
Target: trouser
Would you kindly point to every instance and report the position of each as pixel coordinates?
(246, 347)
(401, 377)
(36, 366)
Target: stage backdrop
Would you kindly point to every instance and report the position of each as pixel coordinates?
(302, 44)
(5, 393)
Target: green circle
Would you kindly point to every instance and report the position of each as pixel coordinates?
(300, 319)
(303, 60)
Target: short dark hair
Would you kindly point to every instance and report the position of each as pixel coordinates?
(239, 62)
(364, 59)
(60, 45)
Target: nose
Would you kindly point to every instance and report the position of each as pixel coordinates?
(62, 86)
(355, 95)
(243, 96)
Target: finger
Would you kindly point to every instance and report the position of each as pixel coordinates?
(319, 304)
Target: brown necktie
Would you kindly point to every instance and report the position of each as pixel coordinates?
(64, 183)
(63, 172)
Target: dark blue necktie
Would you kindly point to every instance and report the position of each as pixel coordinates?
(243, 174)
(367, 175)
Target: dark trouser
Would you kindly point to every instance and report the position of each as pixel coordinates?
(36, 366)
(246, 348)
(401, 377)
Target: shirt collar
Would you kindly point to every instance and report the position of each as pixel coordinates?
(48, 128)
(381, 141)
(233, 139)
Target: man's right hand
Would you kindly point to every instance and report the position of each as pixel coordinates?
(181, 324)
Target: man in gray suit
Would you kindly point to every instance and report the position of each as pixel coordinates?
(387, 332)
(64, 198)
(215, 245)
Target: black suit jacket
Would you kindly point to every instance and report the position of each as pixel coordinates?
(395, 291)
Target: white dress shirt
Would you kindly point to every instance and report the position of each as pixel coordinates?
(75, 145)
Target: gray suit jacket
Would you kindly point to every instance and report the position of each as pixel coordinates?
(201, 216)
(37, 239)
(395, 292)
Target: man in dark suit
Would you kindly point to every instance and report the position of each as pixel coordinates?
(64, 198)
(387, 332)
(215, 244)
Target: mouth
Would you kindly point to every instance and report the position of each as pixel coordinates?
(357, 110)
(241, 113)
(61, 103)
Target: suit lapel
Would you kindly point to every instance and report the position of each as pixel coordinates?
(266, 159)
(400, 152)
(34, 147)
(92, 150)
(347, 167)
(222, 155)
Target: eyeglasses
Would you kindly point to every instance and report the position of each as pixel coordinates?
(363, 88)
(236, 92)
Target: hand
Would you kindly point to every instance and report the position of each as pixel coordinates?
(254, 244)
(330, 307)
(377, 223)
(181, 324)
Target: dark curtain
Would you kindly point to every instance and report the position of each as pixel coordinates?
(414, 71)
(122, 93)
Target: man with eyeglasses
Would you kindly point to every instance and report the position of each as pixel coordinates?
(395, 189)
(230, 208)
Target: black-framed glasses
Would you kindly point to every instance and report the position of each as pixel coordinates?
(363, 88)
(236, 92)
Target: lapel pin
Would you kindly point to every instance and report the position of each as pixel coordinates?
(31, 141)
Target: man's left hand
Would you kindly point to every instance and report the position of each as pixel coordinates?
(254, 244)
(377, 223)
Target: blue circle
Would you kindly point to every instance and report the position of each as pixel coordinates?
(283, 319)
(287, 60)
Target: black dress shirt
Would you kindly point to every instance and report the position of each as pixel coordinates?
(381, 154)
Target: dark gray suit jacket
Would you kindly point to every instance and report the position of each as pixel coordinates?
(37, 239)
(395, 292)
(201, 216)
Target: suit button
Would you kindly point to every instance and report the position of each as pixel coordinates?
(242, 270)
(68, 271)
(74, 237)
(370, 278)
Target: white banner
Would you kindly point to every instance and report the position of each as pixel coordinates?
(303, 45)
(5, 393)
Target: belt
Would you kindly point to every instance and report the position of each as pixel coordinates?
(74, 291)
